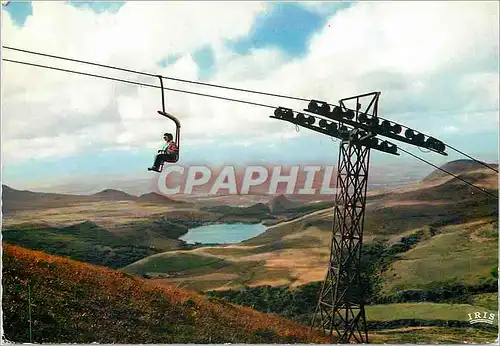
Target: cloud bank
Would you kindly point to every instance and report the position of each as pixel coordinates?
(436, 64)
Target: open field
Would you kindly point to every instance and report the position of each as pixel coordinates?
(199, 269)
(433, 335)
(487, 301)
(108, 214)
(300, 248)
(422, 311)
(464, 253)
(291, 260)
(301, 255)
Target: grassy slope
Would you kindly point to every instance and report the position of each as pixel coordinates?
(446, 201)
(295, 253)
(433, 335)
(487, 300)
(199, 270)
(77, 302)
(321, 219)
(421, 311)
(464, 253)
(181, 262)
(85, 242)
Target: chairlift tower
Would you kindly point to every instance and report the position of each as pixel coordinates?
(340, 311)
(340, 307)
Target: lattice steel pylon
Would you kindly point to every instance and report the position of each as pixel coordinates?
(340, 306)
(341, 303)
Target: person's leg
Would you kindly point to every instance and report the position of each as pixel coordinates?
(158, 161)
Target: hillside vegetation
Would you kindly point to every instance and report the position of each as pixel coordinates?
(114, 229)
(91, 243)
(73, 302)
(430, 257)
(464, 253)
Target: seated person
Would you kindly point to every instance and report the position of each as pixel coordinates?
(167, 152)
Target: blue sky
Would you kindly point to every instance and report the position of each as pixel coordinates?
(19, 11)
(287, 27)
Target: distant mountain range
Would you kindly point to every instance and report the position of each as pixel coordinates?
(380, 176)
(16, 200)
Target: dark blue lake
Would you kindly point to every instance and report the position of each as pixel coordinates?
(223, 233)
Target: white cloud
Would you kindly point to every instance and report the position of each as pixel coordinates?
(46, 104)
(425, 57)
(139, 34)
(321, 7)
(432, 61)
(257, 65)
(42, 147)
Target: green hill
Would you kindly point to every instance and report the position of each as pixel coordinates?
(464, 253)
(88, 242)
(457, 167)
(74, 302)
(166, 263)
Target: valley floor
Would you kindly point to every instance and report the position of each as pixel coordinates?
(430, 255)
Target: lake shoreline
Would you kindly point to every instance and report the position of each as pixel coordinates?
(216, 233)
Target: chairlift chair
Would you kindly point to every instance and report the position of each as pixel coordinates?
(177, 137)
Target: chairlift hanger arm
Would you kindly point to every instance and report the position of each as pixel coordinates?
(174, 156)
(171, 117)
(163, 111)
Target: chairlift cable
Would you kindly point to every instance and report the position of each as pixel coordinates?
(213, 96)
(445, 171)
(470, 157)
(155, 75)
(139, 83)
(205, 84)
